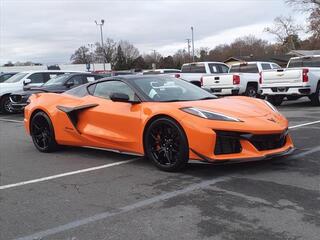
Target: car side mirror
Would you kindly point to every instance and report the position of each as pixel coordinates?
(119, 97)
(26, 81)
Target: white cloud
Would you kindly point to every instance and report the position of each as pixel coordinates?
(50, 30)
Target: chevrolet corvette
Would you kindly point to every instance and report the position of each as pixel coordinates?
(166, 119)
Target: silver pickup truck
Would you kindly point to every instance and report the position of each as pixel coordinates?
(301, 78)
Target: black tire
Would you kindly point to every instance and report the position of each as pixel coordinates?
(5, 105)
(166, 145)
(315, 97)
(275, 100)
(42, 133)
(251, 91)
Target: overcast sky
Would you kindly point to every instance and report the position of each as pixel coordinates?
(49, 31)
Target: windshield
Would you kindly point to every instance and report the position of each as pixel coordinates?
(59, 80)
(304, 62)
(16, 78)
(169, 89)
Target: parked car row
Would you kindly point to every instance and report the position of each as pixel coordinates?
(266, 79)
(15, 90)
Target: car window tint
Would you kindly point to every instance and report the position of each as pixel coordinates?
(275, 66)
(265, 66)
(76, 80)
(224, 69)
(37, 78)
(194, 68)
(244, 68)
(105, 89)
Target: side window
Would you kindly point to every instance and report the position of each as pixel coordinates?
(37, 78)
(224, 69)
(265, 66)
(49, 75)
(105, 89)
(76, 80)
(275, 66)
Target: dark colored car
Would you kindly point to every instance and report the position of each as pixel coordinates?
(58, 84)
(6, 76)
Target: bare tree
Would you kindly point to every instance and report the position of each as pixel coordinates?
(107, 53)
(130, 52)
(81, 56)
(304, 5)
(285, 30)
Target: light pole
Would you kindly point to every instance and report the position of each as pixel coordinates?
(188, 42)
(192, 39)
(90, 45)
(100, 25)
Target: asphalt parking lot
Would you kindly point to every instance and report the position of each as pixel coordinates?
(90, 194)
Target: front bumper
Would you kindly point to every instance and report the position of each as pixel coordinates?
(18, 102)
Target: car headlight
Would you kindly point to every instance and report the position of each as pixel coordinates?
(209, 115)
(272, 107)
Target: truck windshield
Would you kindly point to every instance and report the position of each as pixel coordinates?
(244, 68)
(304, 62)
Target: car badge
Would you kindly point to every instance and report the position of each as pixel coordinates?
(271, 120)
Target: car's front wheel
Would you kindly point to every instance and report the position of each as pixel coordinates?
(5, 105)
(42, 133)
(166, 145)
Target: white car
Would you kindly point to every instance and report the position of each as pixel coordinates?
(19, 80)
(193, 72)
(242, 79)
(300, 78)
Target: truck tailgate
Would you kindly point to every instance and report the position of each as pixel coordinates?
(282, 76)
(218, 81)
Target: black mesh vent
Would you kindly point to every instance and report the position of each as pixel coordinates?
(268, 142)
(227, 143)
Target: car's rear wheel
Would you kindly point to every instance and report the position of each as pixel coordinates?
(166, 145)
(275, 100)
(42, 133)
(5, 105)
(251, 91)
(315, 97)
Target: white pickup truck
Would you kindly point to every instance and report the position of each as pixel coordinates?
(242, 79)
(300, 78)
(193, 72)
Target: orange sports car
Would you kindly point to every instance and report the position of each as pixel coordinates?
(165, 119)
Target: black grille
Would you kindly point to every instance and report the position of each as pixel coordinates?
(227, 143)
(268, 142)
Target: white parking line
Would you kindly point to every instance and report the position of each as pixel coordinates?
(304, 124)
(10, 120)
(66, 174)
(137, 205)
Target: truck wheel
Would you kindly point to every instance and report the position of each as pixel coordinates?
(315, 97)
(275, 100)
(5, 105)
(251, 91)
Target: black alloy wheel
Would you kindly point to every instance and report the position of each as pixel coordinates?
(5, 105)
(166, 145)
(42, 133)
